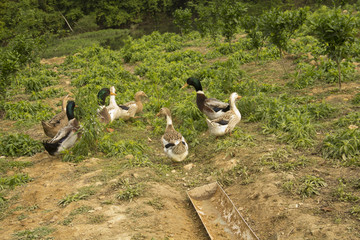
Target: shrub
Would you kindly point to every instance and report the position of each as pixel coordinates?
(343, 144)
(16, 145)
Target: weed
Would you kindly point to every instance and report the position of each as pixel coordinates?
(344, 195)
(6, 164)
(156, 203)
(16, 145)
(311, 185)
(37, 233)
(96, 219)
(343, 144)
(83, 193)
(355, 211)
(289, 186)
(24, 110)
(129, 191)
(50, 93)
(13, 181)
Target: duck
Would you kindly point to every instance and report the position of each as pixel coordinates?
(138, 102)
(103, 112)
(119, 111)
(66, 136)
(227, 122)
(211, 107)
(52, 126)
(174, 144)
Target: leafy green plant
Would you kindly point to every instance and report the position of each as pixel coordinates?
(37, 233)
(336, 30)
(279, 26)
(343, 194)
(356, 99)
(16, 145)
(182, 19)
(24, 110)
(13, 181)
(310, 186)
(49, 93)
(129, 190)
(83, 193)
(343, 144)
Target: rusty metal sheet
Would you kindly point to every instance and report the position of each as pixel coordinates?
(219, 215)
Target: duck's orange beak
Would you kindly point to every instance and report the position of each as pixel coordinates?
(111, 93)
(185, 86)
(238, 97)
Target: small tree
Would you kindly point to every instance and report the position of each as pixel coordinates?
(183, 20)
(280, 26)
(251, 26)
(336, 30)
(231, 12)
(207, 21)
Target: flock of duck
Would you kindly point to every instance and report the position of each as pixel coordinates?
(64, 128)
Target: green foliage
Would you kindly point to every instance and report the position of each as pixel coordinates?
(15, 145)
(279, 26)
(49, 93)
(356, 99)
(343, 144)
(310, 185)
(353, 118)
(129, 190)
(24, 110)
(343, 194)
(336, 30)
(6, 164)
(120, 148)
(230, 13)
(182, 19)
(208, 21)
(251, 26)
(13, 181)
(37, 233)
(83, 193)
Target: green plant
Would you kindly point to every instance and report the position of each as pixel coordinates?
(83, 193)
(310, 185)
(16, 145)
(182, 19)
(96, 219)
(13, 181)
(336, 30)
(156, 203)
(129, 190)
(343, 194)
(343, 144)
(37, 233)
(279, 26)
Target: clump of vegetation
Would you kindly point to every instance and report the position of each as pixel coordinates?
(13, 181)
(49, 93)
(343, 144)
(83, 193)
(15, 145)
(37, 233)
(129, 190)
(24, 110)
(343, 193)
(310, 185)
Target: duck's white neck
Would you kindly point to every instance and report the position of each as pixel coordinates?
(168, 120)
(234, 108)
(112, 100)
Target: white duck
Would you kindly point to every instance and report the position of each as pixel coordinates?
(173, 142)
(121, 111)
(227, 122)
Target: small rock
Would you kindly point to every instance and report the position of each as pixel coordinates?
(67, 82)
(294, 205)
(129, 156)
(136, 175)
(173, 171)
(91, 211)
(167, 175)
(98, 208)
(101, 197)
(98, 183)
(189, 166)
(209, 178)
(54, 219)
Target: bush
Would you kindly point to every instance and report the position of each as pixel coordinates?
(16, 145)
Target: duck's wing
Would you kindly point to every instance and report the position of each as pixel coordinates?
(171, 136)
(217, 105)
(72, 125)
(225, 119)
(57, 118)
(104, 115)
(129, 103)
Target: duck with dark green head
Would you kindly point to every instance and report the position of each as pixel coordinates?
(211, 107)
(67, 136)
(103, 113)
